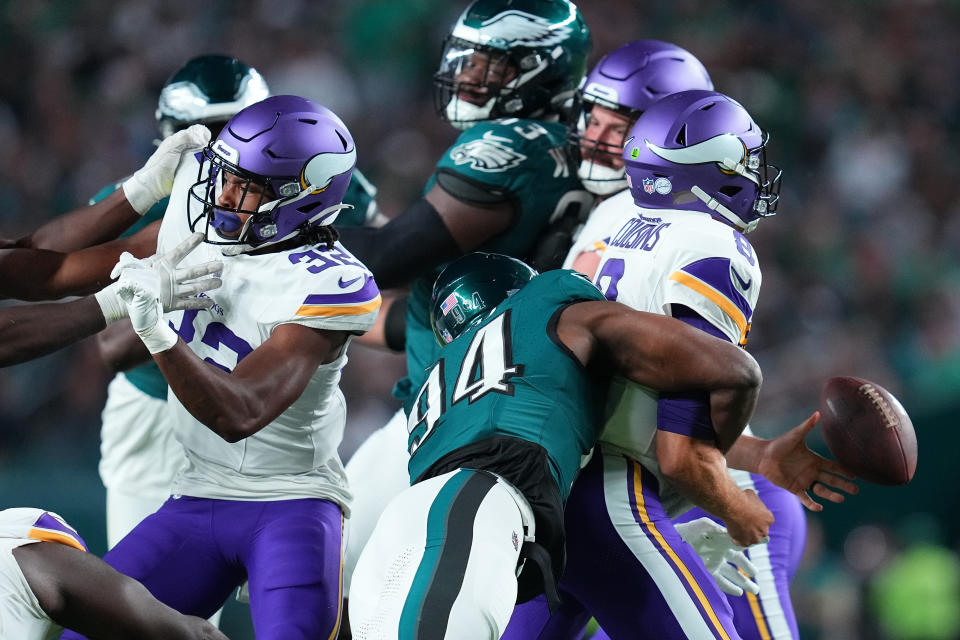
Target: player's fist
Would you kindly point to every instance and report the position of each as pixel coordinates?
(154, 180)
(751, 522)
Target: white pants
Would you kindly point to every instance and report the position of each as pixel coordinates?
(139, 456)
(441, 562)
(21, 617)
(377, 472)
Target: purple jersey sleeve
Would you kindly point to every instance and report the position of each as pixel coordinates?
(688, 413)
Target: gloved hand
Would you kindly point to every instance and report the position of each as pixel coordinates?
(174, 287)
(139, 288)
(154, 180)
(718, 551)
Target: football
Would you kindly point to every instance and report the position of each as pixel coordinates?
(868, 431)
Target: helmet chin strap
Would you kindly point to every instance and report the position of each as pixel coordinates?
(463, 115)
(727, 214)
(601, 180)
(330, 212)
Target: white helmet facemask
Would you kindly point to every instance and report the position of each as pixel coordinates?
(601, 180)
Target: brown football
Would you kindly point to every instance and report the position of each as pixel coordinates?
(868, 431)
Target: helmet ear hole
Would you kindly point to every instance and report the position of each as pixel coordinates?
(730, 190)
(681, 138)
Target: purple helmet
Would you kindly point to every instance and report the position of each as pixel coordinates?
(701, 151)
(628, 80)
(298, 153)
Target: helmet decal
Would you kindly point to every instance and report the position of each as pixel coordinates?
(725, 149)
(225, 151)
(514, 29)
(322, 168)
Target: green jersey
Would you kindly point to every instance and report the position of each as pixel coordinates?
(511, 376)
(360, 193)
(520, 160)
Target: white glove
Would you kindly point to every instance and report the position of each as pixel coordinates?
(175, 286)
(718, 551)
(154, 180)
(139, 288)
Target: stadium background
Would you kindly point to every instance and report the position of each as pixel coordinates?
(861, 265)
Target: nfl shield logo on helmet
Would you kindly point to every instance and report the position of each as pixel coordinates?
(648, 185)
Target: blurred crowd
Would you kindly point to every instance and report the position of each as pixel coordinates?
(861, 268)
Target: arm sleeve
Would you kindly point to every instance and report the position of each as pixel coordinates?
(688, 413)
(395, 325)
(411, 244)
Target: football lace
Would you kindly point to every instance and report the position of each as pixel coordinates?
(871, 392)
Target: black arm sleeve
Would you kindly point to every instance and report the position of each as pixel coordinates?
(411, 244)
(395, 326)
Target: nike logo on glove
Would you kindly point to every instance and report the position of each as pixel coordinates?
(744, 284)
(344, 285)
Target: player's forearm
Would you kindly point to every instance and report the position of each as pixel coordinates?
(669, 355)
(225, 405)
(85, 226)
(88, 270)
(730, 410)
(81, 592)
(120, 348)
(34, 330)
(698, 470)
(746, 453)
(409, 245)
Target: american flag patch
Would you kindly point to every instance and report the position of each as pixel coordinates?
(448, 304)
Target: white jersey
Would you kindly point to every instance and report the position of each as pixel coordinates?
(295, 456)
(606, 218)
(652, 260)
(21, 616)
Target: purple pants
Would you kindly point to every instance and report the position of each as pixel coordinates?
(193, 552)
(627, 566)
(769, 615)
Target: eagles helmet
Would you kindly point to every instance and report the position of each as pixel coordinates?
(627, 81)
(468, 289)
(208, 90)
(511, 58)
(701, 151)
(299, 154)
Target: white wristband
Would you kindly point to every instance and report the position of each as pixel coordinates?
(159, 337)
(137, 195)
(111, 305)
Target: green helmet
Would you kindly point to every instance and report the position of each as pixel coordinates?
(208, 89)
(468, 289)
(512, 58)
